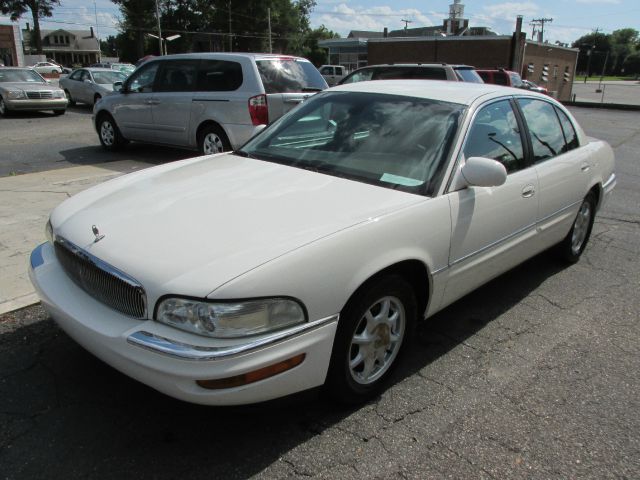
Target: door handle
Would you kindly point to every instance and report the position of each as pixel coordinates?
(585, 167)
(528, 191)
(294, 100)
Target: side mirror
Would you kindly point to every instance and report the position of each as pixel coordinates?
(117, 86)
(86, 80)
(482, 172)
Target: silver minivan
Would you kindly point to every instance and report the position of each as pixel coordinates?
(212, 102)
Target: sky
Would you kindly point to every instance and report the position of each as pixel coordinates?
(571, 18)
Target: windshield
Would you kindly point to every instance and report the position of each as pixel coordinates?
(126, 68)
(468, 75)
(393, 141)
(284, 75)
(107, 78)
(20, 76)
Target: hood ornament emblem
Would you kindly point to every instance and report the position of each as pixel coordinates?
(96, 232)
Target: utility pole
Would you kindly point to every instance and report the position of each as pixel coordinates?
(541, 22)
(230, 34)
(406, 24)
(95, 11)
(159, 29)
(269, 18)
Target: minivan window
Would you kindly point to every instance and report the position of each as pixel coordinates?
(177, 76)
(410, 73)
(468, 75)
(219, 76)
(284, 75)
(327, 71)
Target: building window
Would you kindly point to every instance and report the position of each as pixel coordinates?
(555, 71)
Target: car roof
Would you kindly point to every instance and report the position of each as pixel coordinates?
(229, 55)
(463, 93)
(97, 69)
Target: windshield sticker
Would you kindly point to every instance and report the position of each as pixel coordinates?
(397, 179)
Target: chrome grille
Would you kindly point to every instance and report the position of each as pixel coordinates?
(39, 95)
(103, 282)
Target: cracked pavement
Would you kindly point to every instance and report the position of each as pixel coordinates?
(535, 375)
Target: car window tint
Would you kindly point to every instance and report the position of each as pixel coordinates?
(359, 76)
(284, 75)
(411, 73)
(570, 136)
(85, 75)
(516, 81)
(327, 71)
(500, 78)
(176, 76)
(486, 76)
(495, 134)
(547, 139)
(219, 76)
(142, 80)
(76, 75)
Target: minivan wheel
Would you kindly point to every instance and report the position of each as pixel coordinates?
(109, 134)
(575, 242)
(4, 111)
(372, 334)
(213, 140)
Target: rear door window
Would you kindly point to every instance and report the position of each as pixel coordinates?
(289, 75)
(547, 138)
(570, 136)
(219, 76)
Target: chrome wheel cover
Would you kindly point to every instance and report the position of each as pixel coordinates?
(107, 133)
(212, 143)
(580, 227)
(68, 95)
(3, 108)
(376, 340)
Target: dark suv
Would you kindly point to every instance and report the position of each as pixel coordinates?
(414, 71)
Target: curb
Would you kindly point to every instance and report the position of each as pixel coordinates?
(19, 303)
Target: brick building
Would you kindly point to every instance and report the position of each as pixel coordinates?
(10, 47)
(548, 65)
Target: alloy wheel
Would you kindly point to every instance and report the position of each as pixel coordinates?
(212, 144)
(376, 340)
(107, 133)
(581, 227)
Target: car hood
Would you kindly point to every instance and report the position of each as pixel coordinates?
(189, 227)
(28, 86)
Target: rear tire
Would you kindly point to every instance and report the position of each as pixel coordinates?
(571, 248)
(212, 140)
(374, 330)
(109, 133)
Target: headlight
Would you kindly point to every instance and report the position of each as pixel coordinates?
(15, 94)
(230, 319)
(58, 94)
(48, 232)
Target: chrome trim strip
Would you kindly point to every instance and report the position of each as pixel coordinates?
(36, 259)
(610, 183)
(435, 272)
(493, 244)
(183, 351)
(559, 212)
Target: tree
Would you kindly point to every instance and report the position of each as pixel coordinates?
(138, 18)
(311, 50)
(38, 8)
(622, 44)
(593, 52)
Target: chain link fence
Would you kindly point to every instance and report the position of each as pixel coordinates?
(612, 92)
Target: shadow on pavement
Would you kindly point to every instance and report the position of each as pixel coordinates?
(66, 411)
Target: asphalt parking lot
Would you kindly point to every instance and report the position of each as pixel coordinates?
(534, 375)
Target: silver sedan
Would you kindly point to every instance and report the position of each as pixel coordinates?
(88, 85)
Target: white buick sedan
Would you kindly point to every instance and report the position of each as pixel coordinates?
(307, 257)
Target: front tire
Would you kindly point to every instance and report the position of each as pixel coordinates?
(4, 111)
(109, 134)
(71, 102)
(96, 98)
(212, 140)
(575, 242)
(374, 329)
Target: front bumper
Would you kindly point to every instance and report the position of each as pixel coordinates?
(607, 190)
(44, 104)
(170, 360)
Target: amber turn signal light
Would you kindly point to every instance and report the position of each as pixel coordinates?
(254, 376)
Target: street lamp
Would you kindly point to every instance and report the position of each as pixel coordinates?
(163, 41)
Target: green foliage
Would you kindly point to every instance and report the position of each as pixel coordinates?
(612, 49)
(220, 25)
(16, 9)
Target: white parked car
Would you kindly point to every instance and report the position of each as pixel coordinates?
(307, 257)
(88, 85)
(47, 67)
